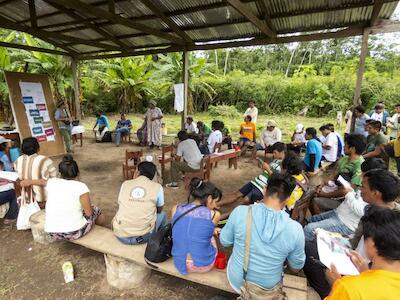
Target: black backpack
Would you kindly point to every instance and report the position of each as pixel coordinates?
(159, 246)
(107, 138)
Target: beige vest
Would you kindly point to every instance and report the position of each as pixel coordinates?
(137, 211)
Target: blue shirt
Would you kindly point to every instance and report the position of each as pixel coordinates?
(102, 121)
(313, 147)
(124, 123)
(275, 237)
(15, 153)
(6, 162)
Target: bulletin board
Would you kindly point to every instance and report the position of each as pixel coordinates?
(33, 109)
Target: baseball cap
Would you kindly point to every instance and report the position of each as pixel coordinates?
(4, 140)
(299, 128)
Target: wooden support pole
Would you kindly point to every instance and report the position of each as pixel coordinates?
(185, 77)
(75, 79)
(360, 74)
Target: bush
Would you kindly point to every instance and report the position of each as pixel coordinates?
(223, 111)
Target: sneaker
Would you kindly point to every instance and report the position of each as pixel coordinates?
(172, 185)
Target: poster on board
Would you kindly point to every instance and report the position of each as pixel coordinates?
(36, 111)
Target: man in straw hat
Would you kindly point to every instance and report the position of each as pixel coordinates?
(269, 136)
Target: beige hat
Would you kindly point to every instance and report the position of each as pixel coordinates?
(153, 102)
(4, 140)
(271, 123)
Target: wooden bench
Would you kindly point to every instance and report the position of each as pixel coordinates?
(125, 258)
(230, 155)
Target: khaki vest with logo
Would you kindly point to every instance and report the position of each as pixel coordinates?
(137, 211)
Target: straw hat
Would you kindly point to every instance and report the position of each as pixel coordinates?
(271, 123)
(153, 102)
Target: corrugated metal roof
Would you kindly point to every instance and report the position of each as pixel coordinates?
(201, 20)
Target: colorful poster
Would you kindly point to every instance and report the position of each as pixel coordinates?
(36, 111)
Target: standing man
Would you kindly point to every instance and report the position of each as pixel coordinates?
(252, 111)
(123, 127)
(380, 114)
(393, 123)
(361, 120)
(64, 121)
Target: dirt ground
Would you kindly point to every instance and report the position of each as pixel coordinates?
(32, 271)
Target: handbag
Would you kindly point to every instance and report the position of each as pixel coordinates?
(26, 211)
(252, 291)
(159, 246)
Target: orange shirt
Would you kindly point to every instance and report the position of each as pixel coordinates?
(248, 131)
(369, 285)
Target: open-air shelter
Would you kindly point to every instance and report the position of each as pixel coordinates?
(96, 29)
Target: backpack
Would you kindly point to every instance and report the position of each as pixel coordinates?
(159, 246)
(107, 138)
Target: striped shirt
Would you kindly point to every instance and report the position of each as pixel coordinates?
(36, 167)
(261, 180)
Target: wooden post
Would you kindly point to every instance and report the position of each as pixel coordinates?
(360, 74)
(185, 75)
(75, 79)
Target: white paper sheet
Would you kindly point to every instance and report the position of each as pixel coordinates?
(11, 176)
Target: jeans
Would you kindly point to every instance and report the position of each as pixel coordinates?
(136, 240)
(119, 132)
(10, 197)
(328, 221)
(66, 134)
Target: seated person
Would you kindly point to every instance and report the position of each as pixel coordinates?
(4, 146)
(329, 197)
(275, 239)
(247, 134)
(188, 149)
(380, 114)
(381, 231)
(329, 145)
(345, 218)
(312, 158)
(191, 126)
(293, 166)
(140, 204)
(203, 130)
(69, 211)
(253, 191)
(226, 138)
(379, 187)
(215, 136)
(340, 151)
(194, 248)
(102, 126)
(124, 127)
(375, 138)
(32, 165)
(298, 140)
(392, 150)
(269, 136)
(142, 133)
(8, 195)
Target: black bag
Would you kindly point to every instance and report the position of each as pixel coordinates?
(159, 246)
(107, 138)
(75, 123)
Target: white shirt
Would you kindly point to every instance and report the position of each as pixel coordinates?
(253, 112)
(351, 210)
(331, 154)
(190, 152)
(269, 138)
(348, 117)
(394, 125)
(64, 212)
(192, 128)
(214, 138)
(377, 117)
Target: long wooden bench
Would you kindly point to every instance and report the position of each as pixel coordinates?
(102, 240)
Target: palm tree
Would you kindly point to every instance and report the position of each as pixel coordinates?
(127, 77)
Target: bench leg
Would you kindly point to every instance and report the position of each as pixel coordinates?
(39, 235)
(123, 274)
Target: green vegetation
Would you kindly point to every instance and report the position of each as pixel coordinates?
(283, 79)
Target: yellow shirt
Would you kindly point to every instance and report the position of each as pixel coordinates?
(297, 192)
(248, 131)
(396, 146)
(369, 285)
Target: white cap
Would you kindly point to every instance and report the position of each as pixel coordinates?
(299, 128)
(271, 123)
(4, 140)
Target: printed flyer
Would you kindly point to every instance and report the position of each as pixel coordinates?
(36, 111)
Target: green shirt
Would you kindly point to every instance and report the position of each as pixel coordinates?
(206, 130)
(225, 131)
(375, 141)
(352, 167)
(261, 181)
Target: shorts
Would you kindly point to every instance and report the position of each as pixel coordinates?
(74, 235)
(250, 191)
(244, 140)
(191, 268)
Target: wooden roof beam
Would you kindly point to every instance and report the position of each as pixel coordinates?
(378, 4)
(5, 2)
(171, 24)
(31, 48)
(116, 19)
(32, 13)
(111, 6)
(241, 8)
(48, 36)
(90, 25)
(70, 23)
